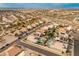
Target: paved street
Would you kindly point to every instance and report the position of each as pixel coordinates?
(37, 49)
(76, 44)
(6, 47)
(76, 48)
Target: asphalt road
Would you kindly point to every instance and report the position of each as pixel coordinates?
(76, 44)
(76, 48)
(7, 46)
(37, 49)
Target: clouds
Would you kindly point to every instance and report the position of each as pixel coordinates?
(39, 5)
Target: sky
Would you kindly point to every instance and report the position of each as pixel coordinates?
(39, 5)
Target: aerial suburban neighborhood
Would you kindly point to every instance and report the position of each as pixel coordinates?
(39, 32)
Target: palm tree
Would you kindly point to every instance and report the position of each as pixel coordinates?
(51, 33)
(40, 41)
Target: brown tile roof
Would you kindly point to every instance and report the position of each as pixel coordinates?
(14, 51)
(11, 51)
